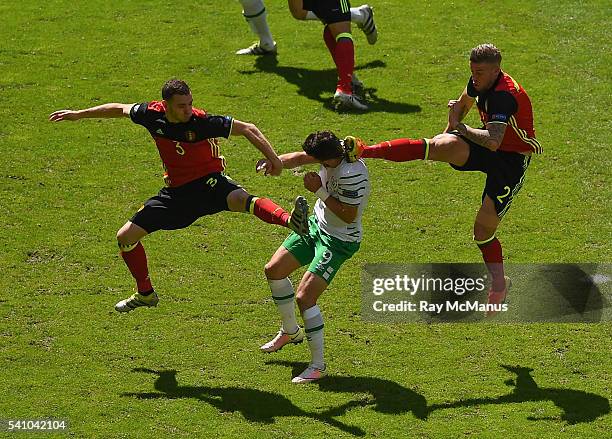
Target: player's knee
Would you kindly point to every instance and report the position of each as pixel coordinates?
(129, 235)
(448, 148)
(236, 200)
(123, 240)
(271, 270)
(303, 299)
(442, 142)
(122, 236)
(483, 232)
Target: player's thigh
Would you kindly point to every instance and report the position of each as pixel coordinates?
(298, 9)
(165, 212)
(330, 11)
(217, 193)
(281, 264)
(330, 254)
(302, 248)
(449, 148)
(505, 178)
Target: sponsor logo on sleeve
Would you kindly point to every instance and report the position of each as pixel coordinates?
(499, 117)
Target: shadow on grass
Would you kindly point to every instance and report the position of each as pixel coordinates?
(582, 295)
(386, 396)
(577, 406)
(255, 405)
(313, 83)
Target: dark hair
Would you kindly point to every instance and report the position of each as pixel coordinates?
(174, 87)
(486, 53)
(323, 145)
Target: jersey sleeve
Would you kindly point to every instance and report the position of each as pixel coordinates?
(501, 105)
(352, 188)
(138, 113)
(471, 90)
(215, 126)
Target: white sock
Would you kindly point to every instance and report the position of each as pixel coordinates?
(283, 295)
(357, 16)
(254, 12)
(313, 323)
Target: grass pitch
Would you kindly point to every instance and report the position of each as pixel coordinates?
(191, 367)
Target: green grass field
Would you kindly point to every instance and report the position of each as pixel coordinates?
(191, 367)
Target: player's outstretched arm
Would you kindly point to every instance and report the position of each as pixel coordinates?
(294, 159)
(105, 110)
(290, 160)
(256, 137)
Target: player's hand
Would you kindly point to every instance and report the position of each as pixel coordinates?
(59, 115)
(274, 167)
(269, 167)
(454, 111)
(262, 165)
(312, 181)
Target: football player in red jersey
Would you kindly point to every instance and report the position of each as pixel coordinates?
(195, 184)
(337, 15)
(501, 149)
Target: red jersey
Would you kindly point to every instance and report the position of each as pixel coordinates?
(507, 102)
(188, 150)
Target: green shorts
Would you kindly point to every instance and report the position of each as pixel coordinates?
(324, 253)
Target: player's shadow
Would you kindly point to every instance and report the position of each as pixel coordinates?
(385, 396)
(582, 297)
(255, 405)
(577, 406)
(313, 84)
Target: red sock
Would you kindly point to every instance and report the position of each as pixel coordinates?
(136, 261)
(270, 212)
(330, 42)
(398, 150)
(344, 55)
(494, 260)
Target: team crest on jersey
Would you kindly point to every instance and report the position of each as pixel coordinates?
(191, 136)
(332, 185)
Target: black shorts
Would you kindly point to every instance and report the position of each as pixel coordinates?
(505, 173)
(329, 11)
(177, 208)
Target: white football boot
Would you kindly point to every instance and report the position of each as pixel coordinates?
(281, 339)
(309, 375)
(257, 50)
(368, 27)
(136, 300)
